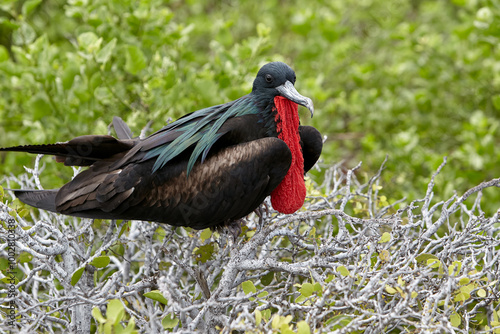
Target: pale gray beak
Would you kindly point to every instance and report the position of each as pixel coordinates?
(288, 90)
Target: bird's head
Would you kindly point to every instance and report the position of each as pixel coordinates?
(274, 89)
(278, 79)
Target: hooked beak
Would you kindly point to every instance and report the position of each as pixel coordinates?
(288, 90)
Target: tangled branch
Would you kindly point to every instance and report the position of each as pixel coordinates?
(348, 261)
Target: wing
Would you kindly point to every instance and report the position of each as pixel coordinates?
(227, 186)
(86, 150)
(81, 151)
(121, 128)
(197, 132)
(311, 142)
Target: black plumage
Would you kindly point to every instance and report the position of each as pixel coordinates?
(207, 169)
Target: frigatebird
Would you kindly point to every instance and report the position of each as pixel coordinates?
(209, 168)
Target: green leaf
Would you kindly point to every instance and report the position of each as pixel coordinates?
(4, 263)
(108, 328)
(8, 280)
(340, 321)
(205, 234)
(124, 228)
(263, 30)
(481, 293)
(258, 317)
(89, 41)
(248, 287)
(275, 323)
(468, 288)
(25, 257)
(390, 289)
(23, 213)
(100, 261)
(300, 299)
(130, 329)
(267, 278)
(96, 313)
(266, 314)
(303, 328)
(422, 258)
(280, 322)
(169, 321)
(343, 271)
(29, 6)
(464, 280)
(330, 277)
(433, 263)
(205, 252)
(135, 59)
(306, 290)
(464, 293)
(103, 95)
(461, 297)
(262, 294)
(156, 295)
(9, 24)
(386, 237)
(115, 311)
(4, 54)
(496, 101)
(77, 275)
(105, 53)
(312, 233)
(24, 35)
(455, 319)
(454, 268)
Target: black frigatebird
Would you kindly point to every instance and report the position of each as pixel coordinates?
(209, 168)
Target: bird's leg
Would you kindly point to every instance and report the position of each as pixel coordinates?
(259, 211)
(234, 228)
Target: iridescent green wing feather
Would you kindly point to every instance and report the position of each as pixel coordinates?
(200, 128)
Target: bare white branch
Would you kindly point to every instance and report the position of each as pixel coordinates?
(344, 263)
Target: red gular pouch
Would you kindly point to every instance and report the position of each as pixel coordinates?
(289, 196)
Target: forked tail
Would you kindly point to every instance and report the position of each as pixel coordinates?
(42, 199)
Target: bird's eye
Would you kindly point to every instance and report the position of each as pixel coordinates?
(269, 78)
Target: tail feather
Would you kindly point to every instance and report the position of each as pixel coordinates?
(42, 199)
(52, 149)
(80, 151)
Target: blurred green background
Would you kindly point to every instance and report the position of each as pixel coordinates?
(414, 80)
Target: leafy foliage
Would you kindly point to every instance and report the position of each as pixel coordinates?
(415, 80)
